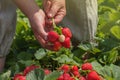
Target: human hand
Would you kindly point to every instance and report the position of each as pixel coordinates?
(37, 22)
(54, 9)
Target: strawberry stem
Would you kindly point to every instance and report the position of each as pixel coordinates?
(53, 22)
(57, 29)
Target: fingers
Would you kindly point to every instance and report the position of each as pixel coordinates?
(47, 5)
(43, 43)
(60, 15)
(53, 10)
(57, 19)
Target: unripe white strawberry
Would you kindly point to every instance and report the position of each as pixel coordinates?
(61, 38)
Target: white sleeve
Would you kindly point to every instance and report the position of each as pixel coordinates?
(81, 18)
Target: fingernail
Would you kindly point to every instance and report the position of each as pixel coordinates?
(50, 15)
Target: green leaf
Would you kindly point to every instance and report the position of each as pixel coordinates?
(27, 62)
(116, 71)
(85, 47)
(40, 54)
(115, 30)
(65, 59)
(52, 76)
(24, 56)
(6, 75)
(37, 74)
(108, 57)
(97, 66)
(109, 72)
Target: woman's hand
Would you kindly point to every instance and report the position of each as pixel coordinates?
(54, 9)
(36, 17)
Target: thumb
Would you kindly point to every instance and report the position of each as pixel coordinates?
(53, 11)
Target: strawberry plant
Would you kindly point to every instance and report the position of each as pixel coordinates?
(27, 60)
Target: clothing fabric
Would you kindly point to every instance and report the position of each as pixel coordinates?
(7, 25)
(82, 18)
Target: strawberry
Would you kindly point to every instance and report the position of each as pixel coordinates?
(30, 68)
(65, 68)
(82, 78)
(93, 76)
(57, 45)
(76, 73)
(87, 66)
(61, 38)
(74, 68)
(66, 31)
(67, 43)
(53, 36)
(47, 71)
(66, 76)
(71, 78)
(19, 77)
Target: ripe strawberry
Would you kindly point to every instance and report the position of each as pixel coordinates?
(74, 68)
(71, 78)
(66, 31)
(19, 77)
(82, 78)
(67, 43)
(30, 68)
(87, 66)
(61, 38)
(65, 68)
(47, 71)
(93, 76)
(66, 76)
(52, 36)
(76, 73)
(57, 45)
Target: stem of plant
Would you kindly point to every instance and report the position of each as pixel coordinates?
(53, 21)
(55, 27)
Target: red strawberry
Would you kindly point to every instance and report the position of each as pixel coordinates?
(87, 66)
(61, 38)
(65, 68)
(76, 73)
(93, 76)
(82, 78)
(52, 36)
(19, 77)
(67, 43)
(57, 45)
(47, 71)
(71, 78)
(30, 68)
(66, 31)
(74, 68)
(66, 76)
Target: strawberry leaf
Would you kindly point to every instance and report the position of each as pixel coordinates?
(40, 54)
(37, 74)
(53, 76)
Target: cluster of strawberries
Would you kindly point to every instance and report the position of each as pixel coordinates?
(75, 73)
(60, 39)
(22, 76)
